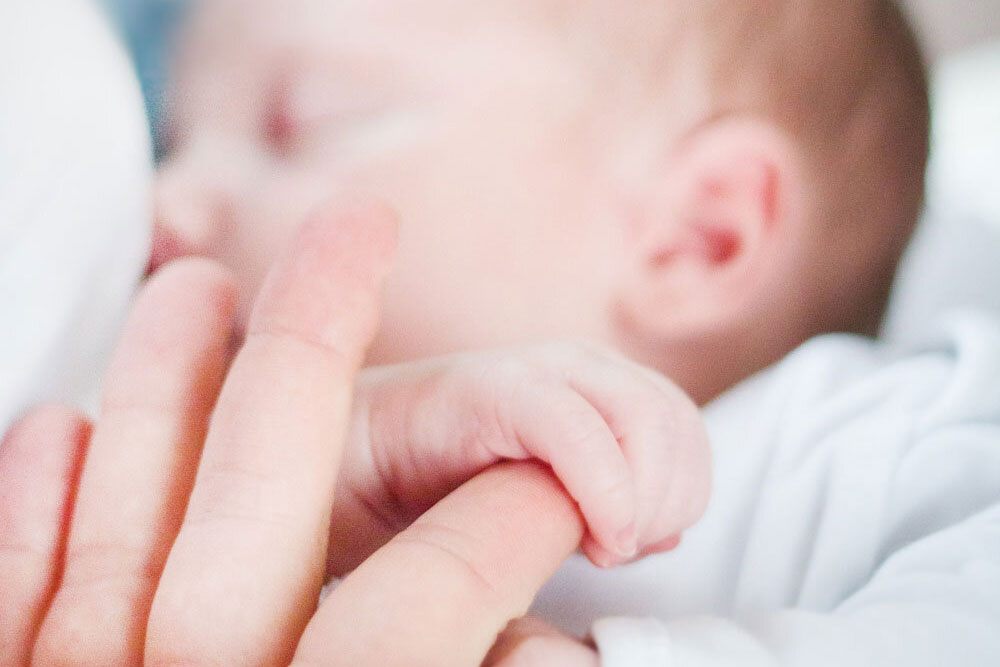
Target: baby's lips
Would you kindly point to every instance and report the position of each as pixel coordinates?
(167, 246)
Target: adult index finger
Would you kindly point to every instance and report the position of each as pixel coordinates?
(440, 592)
(246, 569)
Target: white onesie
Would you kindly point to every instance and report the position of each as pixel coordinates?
(855, 521)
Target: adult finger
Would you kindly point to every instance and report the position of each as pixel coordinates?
(440, 592)
(40, 461)
(245, 572)
(140, 465)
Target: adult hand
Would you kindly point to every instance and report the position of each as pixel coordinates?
(176, 538)
(169, 545)
(439, 593)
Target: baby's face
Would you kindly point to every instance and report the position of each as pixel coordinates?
(475, 125)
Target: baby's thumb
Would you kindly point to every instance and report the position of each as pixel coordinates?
(345, 251)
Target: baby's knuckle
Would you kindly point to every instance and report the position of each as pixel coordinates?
(577, 351)
(582, 433)
(501, 370)
(614, 488)
(617, 489)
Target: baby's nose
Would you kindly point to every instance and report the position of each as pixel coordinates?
(167, 246)
(191, 216)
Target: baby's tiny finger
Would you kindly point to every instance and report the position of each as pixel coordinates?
(661, 547)
(662, 437)
(39, 464)
(560, 427)
(600, 556)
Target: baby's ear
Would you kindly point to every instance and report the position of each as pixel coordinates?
(716, 228)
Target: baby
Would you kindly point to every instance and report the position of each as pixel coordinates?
(701, 187)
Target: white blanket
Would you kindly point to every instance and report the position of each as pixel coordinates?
(855, 520)
(75, 171)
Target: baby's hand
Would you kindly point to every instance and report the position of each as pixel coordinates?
(627, 444)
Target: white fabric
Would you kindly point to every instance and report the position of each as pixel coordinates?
(954, 261)
(75, 172)
(855, 521)
(965, 164)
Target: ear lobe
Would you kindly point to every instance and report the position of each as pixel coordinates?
(715, 227)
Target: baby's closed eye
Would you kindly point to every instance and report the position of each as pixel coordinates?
(305, 116)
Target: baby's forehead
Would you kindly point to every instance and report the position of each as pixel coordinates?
(427, 13)
(418, 35)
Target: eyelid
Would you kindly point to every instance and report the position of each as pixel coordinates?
(299, 104)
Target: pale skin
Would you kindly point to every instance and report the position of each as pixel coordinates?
(546, 194)
(202, 536)
(413, 133)
(539, 204)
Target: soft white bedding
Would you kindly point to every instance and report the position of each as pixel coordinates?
(75, 219)
(954, 262)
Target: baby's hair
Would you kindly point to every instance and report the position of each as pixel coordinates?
(849, 81)
(846, 79)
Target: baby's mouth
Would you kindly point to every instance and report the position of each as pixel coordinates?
(167, 246)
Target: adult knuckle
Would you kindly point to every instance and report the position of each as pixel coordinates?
(60, 649)
(103, 563)
(339, 358)
(22, 555)
(48, 423)
(68, 639)
(453, 547)
(233, 495)
(169, 658)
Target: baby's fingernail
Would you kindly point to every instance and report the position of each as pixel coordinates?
(627, 543)
(603, 559)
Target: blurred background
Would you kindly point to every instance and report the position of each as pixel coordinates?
(949, 25)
